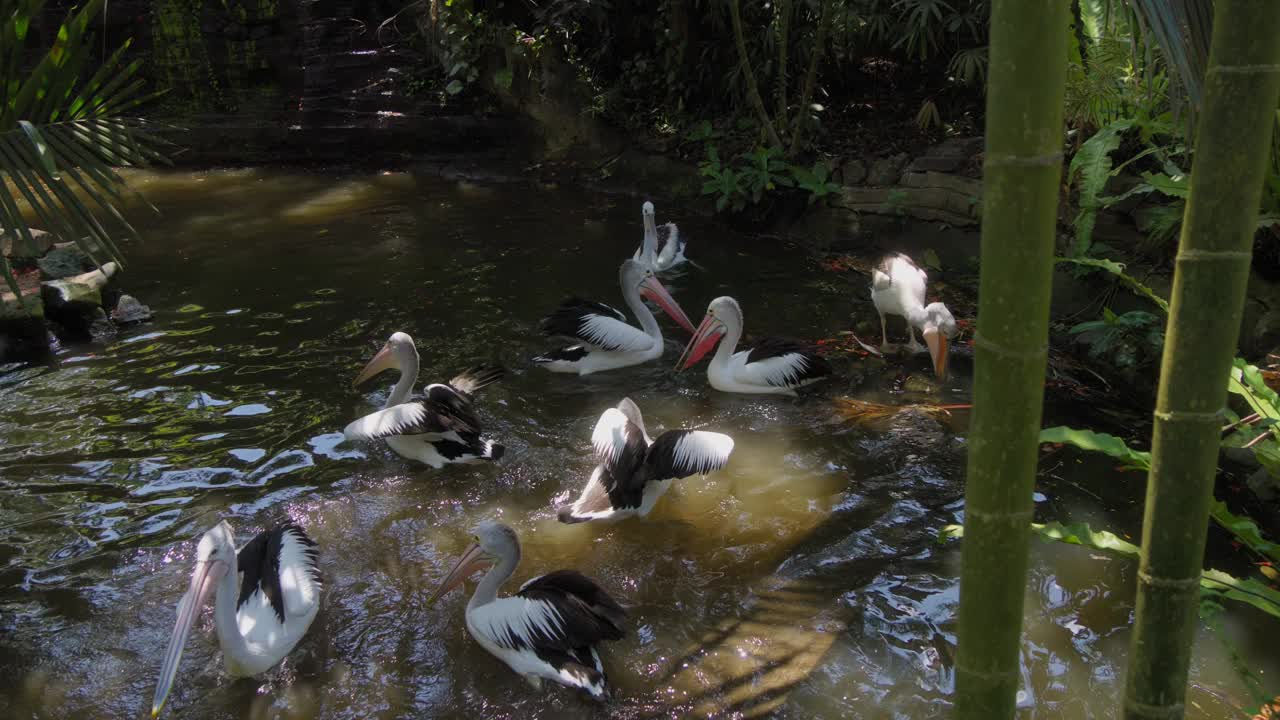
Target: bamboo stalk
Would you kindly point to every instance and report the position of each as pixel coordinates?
(749, 76)
(1241, 86)
(1022, 170)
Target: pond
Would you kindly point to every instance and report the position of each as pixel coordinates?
(804, 580)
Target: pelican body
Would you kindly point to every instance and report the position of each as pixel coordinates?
(662, 247)
(605, 340)
(898, 288)
(265, 597)
(550, 628)
(771, 367)
(634, 470)
(438, 429)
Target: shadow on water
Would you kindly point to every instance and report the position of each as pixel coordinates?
(804, 580)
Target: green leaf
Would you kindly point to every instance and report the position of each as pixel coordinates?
(43, 154)
(1248, 591)
(1092, 162)
(1244, 530)
(1178, 186)
(1098, 442)
(454, 87)
(1117, 269)
(1082, 534)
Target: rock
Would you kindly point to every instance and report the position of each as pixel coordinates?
(129, 310)
(63, 261)
(853, 172)
(17, 246)
(887, 171)
(1266, 333)
(83, 290)
(100, 326)
(948, 156)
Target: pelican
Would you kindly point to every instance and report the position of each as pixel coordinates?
(635, 471)
(438, 429)
(550, 628)
(265, 597)
(662, 247)
(773, 367)
(897, 288)
(605, 340)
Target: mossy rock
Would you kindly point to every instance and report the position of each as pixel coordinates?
(63, 261)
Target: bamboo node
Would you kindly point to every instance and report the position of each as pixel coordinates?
(1244, 69)
(1213, 255)
(1046, 160)
(1022, 516)
(1163, 582)
(1172, 710)
(979, 340)
(1215, 418)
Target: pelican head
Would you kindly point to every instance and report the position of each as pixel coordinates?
(633, 276)
(938, 327)
(723, 317)
(494, 543)
(647, 209)
(397, 353)
(215, 554)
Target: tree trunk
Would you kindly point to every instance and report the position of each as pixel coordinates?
(1022, 170)
(810, 77)
(784, 39)
(1242, 82)
(749, 76)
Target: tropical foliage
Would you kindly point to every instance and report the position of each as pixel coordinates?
(64, 126)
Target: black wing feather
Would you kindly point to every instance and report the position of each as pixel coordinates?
(567, 320)
(588, 613)
(469, 381)
(259, 561)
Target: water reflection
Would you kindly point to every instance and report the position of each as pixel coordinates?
(802, 581)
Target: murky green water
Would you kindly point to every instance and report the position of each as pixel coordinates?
(802, 581)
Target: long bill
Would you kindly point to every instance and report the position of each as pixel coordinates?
(382, 361)
(471, 561)
(653, 289)
(203, 580)
(937, 343)
(704, 338)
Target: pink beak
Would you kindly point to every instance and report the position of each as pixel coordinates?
(470, 562)
(703, 340)
(384, 360)
(653, 290)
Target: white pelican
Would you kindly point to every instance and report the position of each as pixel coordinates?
(662, 247)
(606, 341)
(265, 597)
(549, 628)
(897, 288)
(773, 366)
(635, 471)
(438, 429)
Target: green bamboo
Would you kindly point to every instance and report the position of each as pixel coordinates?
(1241, 86)
(1022, 170)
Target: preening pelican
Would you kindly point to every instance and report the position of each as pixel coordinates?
(438, 429)
(897, 288)
(605, 340)
(772, 366)
(635, 471)
(265, 597)
(662, 247)
(550, 628)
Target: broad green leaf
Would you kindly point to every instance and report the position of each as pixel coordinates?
(43, 154)
(1248, 591)
(1244, 530)
(1082, 534)
(1097, 442)
(454, 87)
(1178, 186)
(1092, 162)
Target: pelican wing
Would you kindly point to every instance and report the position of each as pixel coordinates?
(619, 444)
(597, 325)
(681, 453)
(426, 417)
(281, 565)
(784, 363)
(560, 613)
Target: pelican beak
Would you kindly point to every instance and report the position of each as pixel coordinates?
(937, 343)
(652, 289)
(384, 360)
(471, 562)
(704, 338)
(203, 580)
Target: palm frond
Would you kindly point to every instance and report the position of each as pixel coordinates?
(1182, 29)
(62, 133)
